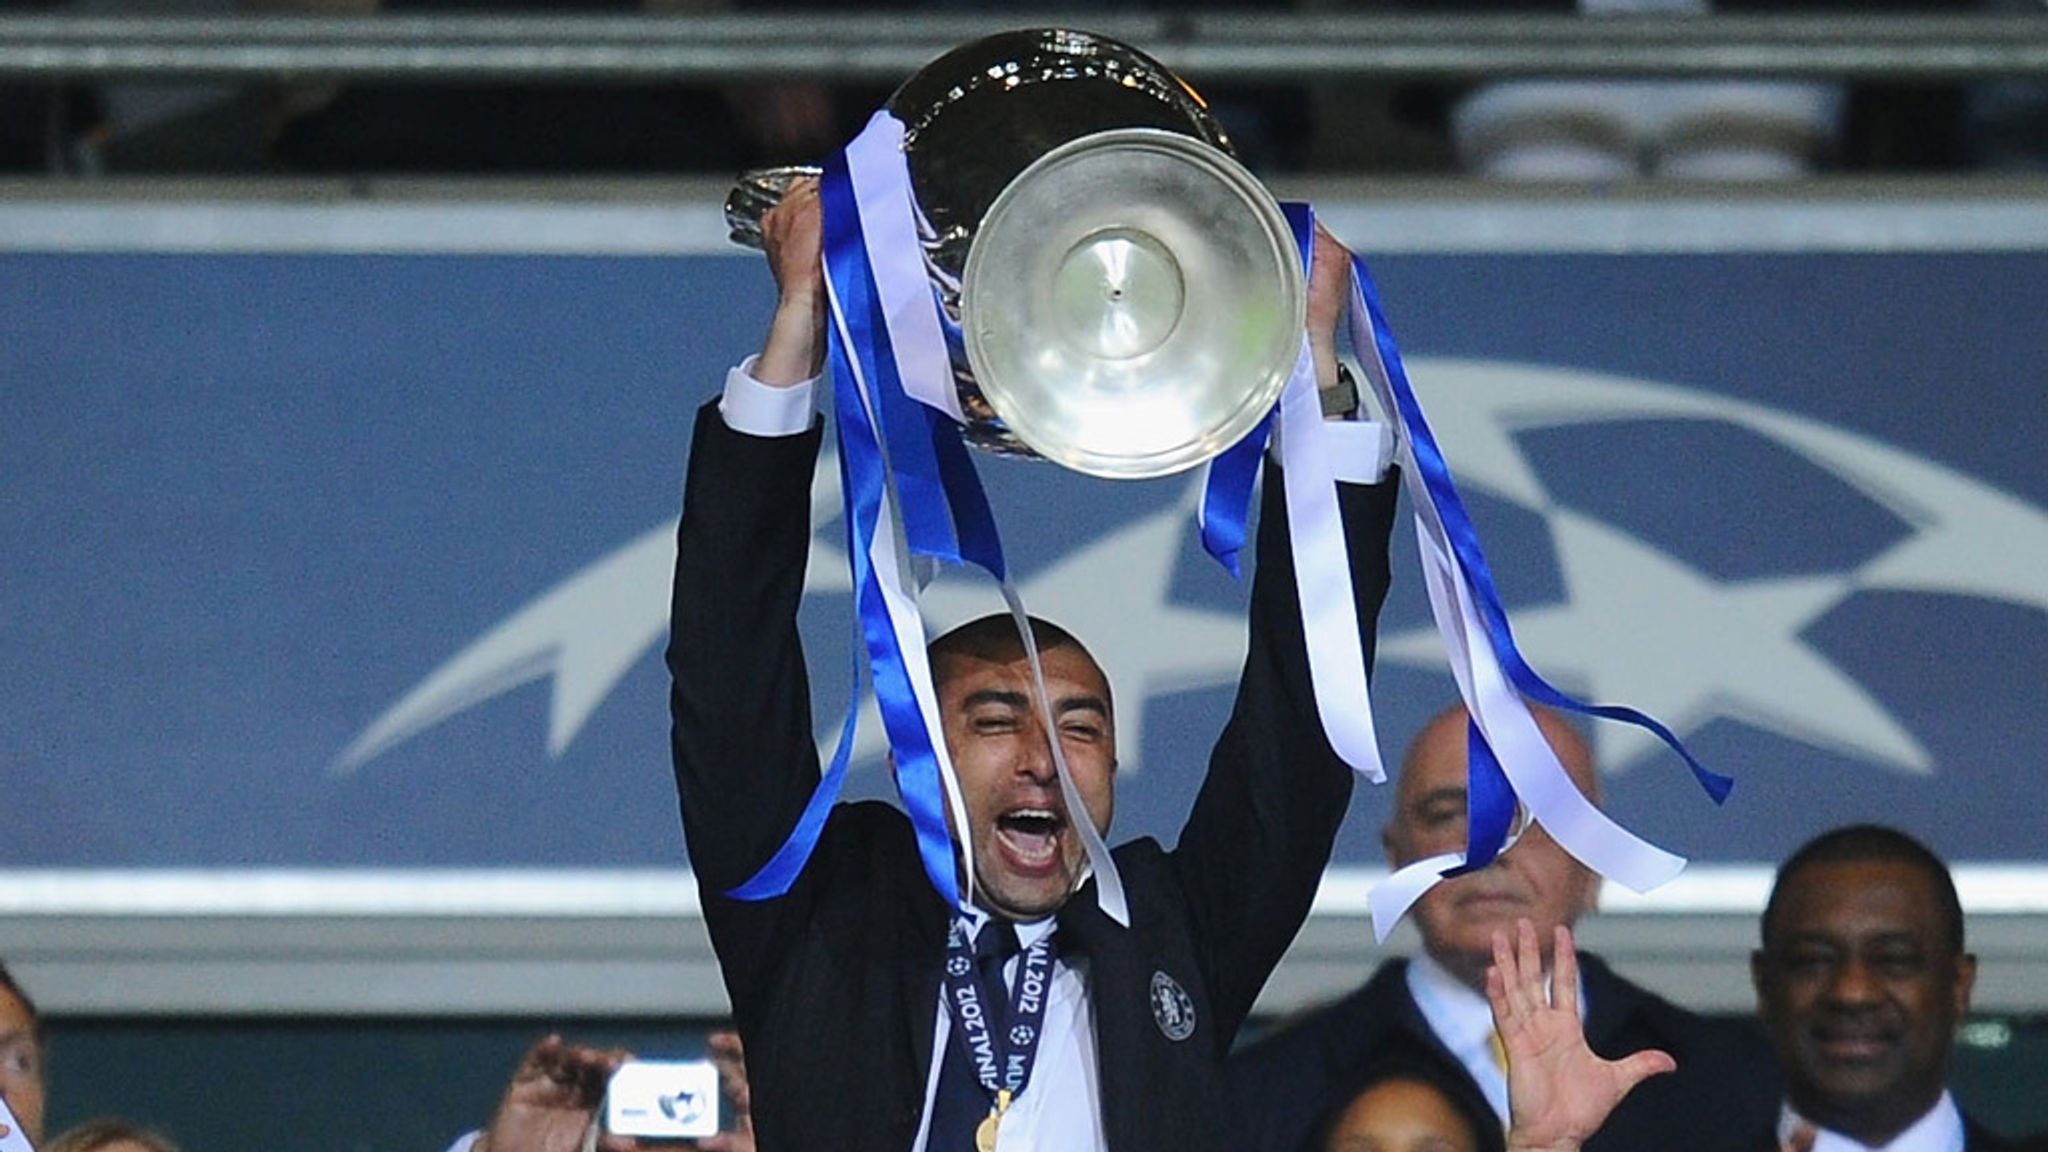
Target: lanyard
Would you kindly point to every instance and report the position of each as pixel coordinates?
(1001, 1051)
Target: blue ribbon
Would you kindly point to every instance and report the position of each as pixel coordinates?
(1227, 495)
(864, 480)
(1489, 803)
(1464, 541)
(1301, 219)
(1002, 1049)
(974, 524)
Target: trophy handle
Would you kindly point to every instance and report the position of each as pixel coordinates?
(754, 193)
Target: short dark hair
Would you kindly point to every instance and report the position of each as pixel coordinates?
(35, 1019)
(1404, 1059)
(998, 631)
(996, 634)
(1860, 842)
(94, 1135)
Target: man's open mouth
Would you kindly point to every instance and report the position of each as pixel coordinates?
(1031, 836)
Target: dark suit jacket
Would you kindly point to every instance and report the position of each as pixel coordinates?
(1726, 1085)
(1976, 1138)
(835, 986)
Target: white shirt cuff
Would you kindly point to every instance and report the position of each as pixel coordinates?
(1361, 451)
(762, 409)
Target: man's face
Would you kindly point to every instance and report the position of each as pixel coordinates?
(1027, 856)
(1861, 993)
(21, 1065)
(1534, 880)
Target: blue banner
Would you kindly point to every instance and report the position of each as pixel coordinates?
(361, 560)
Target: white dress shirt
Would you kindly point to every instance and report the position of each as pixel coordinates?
(1062, 1105)
(1941, 1130)
(762, 409)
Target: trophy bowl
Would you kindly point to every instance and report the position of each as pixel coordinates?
(1128, 299)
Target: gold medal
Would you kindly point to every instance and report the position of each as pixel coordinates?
(985, 1132)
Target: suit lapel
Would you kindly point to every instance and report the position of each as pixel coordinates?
(1608, 1003)
(1085, 932)
(918, 983)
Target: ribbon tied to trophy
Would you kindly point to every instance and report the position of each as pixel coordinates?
(1043, 246)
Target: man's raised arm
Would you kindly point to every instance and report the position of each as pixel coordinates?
(740, 700)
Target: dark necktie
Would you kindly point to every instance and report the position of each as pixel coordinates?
(961, 1103)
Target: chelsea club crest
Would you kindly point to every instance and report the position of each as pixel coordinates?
(1172, 1008)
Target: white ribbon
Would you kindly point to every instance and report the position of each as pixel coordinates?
(886, 555)
(881, 182)
(888, 223)
(1322, 575)
(1546, 791)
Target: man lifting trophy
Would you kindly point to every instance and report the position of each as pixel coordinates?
(1041, 245)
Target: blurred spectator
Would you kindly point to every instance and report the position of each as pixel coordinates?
(553, 1101)
(21, 1056)
(1862, 978)
(111, 1135)
(1409, 1101)
(1725, 1086)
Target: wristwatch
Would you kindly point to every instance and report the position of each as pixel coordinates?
(1341, 402)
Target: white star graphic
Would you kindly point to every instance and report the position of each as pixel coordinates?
(586, 633)
(1969, 538)
(1693, 650)
(1641, 628)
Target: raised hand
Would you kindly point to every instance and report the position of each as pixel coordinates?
(792, 236)
(732, 1084)
(552, 1101)
(1559, 1091)
(1329, 293)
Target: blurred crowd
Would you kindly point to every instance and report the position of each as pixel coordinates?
(1861, 969)
(1559, 130)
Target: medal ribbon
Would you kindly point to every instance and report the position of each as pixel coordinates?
(1002, 1051)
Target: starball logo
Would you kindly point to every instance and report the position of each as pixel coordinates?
(1634, 623)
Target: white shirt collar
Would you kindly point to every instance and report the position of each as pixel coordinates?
(1940, 1130)
(1032, 933)
(1456, 1012)
(1027, 934)
(1463, 1020)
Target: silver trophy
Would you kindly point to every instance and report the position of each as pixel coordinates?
(1128, 299)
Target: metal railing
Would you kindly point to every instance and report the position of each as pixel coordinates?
(886, 47)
